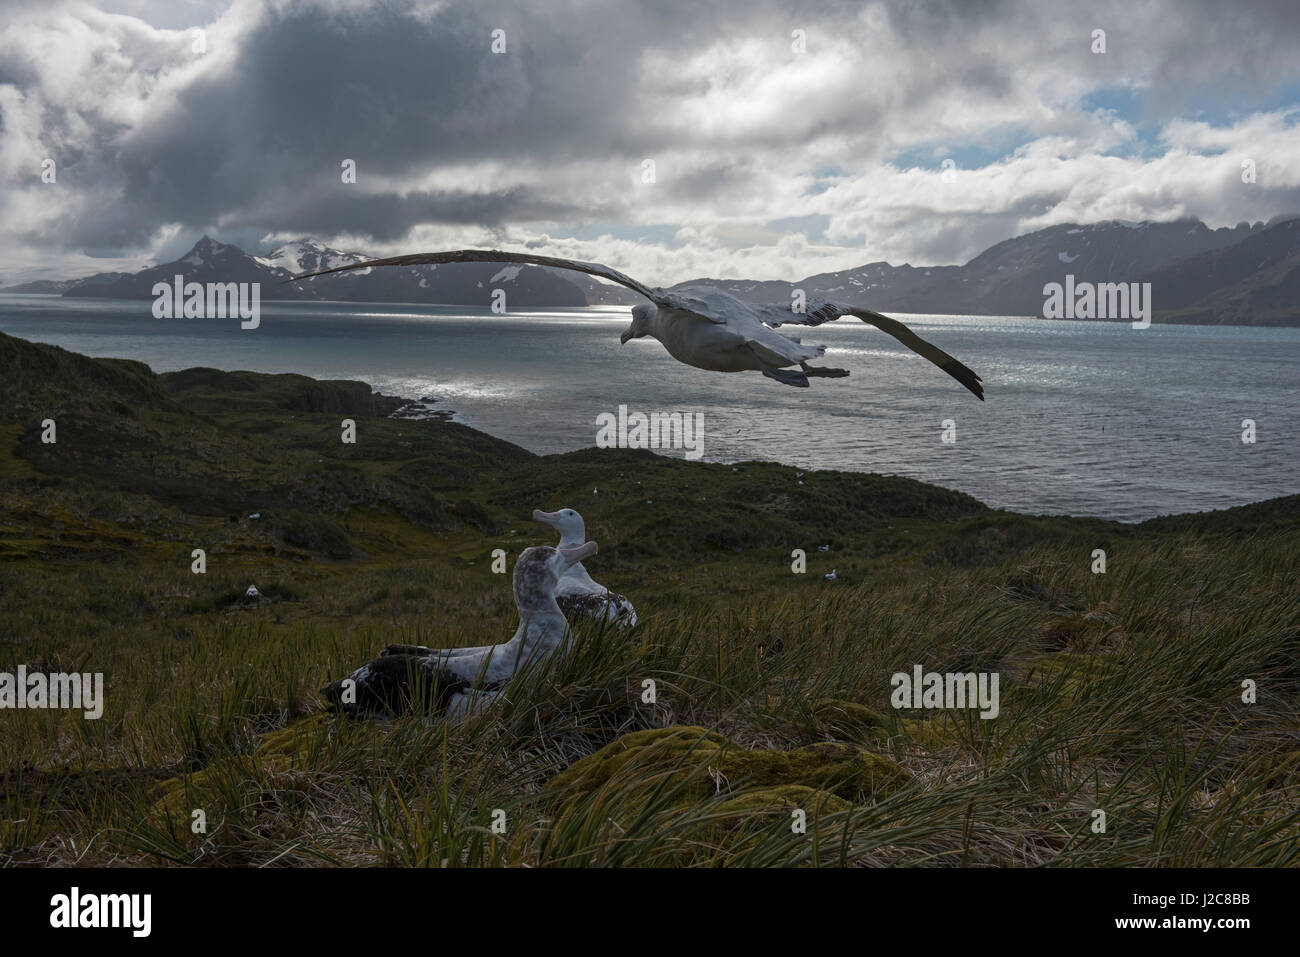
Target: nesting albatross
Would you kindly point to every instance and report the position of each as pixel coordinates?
(459, 681)
(705, 327)
(577, 594)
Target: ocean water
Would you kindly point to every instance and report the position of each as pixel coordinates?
(1081, 418)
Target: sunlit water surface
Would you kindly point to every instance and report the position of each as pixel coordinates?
(1082, 418)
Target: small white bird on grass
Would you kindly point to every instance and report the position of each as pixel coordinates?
(830, 576)
(705, 327)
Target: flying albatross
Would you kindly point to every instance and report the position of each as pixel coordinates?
(705, 327)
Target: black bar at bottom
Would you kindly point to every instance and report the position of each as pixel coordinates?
(345, 908)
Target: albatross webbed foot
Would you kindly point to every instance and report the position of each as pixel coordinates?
(788, 376)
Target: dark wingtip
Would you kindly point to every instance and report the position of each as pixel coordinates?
(307, 275)
(326, 272)
(966, 377)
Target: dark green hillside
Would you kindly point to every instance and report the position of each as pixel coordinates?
(1119, 691)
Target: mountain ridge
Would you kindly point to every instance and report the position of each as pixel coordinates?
(1248, 274)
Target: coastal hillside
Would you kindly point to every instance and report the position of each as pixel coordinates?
(1121, 690)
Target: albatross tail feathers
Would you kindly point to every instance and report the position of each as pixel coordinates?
(394, 684)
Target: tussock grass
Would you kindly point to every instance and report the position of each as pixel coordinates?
(1120, 692)
(1132, 706)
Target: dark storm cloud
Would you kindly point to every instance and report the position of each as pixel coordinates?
(310, 86)
(1216, 51)
(248, 138)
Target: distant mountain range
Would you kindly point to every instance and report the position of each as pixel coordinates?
(1245, 275)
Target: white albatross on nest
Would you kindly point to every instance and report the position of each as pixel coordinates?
(705, 327)
(462, 681)
(577, 594)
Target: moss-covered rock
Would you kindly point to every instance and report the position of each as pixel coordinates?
(849, 721)
(1073, 673)
(737, 820)
(1285, 771)
(784, 798)
(281, 750)
(179, 797)
(938, 731)
(701, 798)
(702, 762)
(295, 741)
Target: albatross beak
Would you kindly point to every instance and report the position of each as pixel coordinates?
(550, 518)
(625, 337)
(574, 555)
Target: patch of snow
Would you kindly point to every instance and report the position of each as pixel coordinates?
(1066, 257)
(507, 274)
(336, 258)
(308, 256)
(289, 256)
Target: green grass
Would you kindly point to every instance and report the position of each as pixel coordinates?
(1119, 692)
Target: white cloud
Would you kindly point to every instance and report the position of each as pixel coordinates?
(156, 144)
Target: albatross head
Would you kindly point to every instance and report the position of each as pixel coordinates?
(540, 569)
(572, 529)
(641, 316)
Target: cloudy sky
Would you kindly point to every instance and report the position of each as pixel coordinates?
(785, 138)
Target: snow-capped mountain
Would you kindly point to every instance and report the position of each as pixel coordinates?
(461, 284)
(307, 255)
(207, 261)
(1008, 278)
(1248, 274)
(469, 284)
